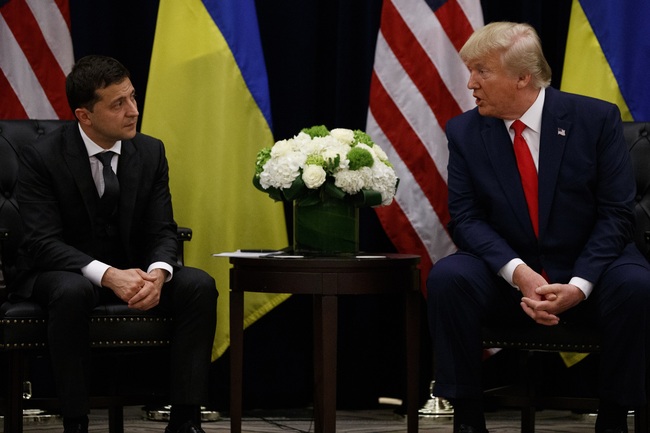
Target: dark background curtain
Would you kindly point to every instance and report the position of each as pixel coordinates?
(319, 56)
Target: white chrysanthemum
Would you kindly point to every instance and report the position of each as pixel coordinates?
(383, 181)
(281, 172)
(343, 135)
(350, 181)
(313, 176)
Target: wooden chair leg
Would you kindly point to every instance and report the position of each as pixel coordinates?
(14, 416)
(115, 418)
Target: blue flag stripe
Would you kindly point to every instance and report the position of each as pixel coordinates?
(624, 36)
(237, 21)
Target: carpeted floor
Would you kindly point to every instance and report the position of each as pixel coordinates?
(370, 421)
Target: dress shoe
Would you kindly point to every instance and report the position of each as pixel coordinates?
(469, 429)
(188, 427)
(75, 428)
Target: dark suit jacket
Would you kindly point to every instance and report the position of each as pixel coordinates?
(586, 190)
(58, 200)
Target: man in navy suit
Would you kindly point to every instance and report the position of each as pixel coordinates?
(81, 248)
(572, 259)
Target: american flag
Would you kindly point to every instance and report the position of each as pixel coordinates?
(418, 83)
(35, 57)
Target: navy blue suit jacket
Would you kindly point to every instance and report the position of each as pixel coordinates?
(586, 190)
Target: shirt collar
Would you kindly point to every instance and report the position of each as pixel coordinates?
(93, 148)
(532, 118)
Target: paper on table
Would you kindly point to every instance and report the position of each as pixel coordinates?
(247, 253)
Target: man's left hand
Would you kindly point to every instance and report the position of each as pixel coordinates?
(556, 299)
(149, 295)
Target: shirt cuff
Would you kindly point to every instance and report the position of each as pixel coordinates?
(162, 265)
(94, 271)
(585, 286)
(508, 270)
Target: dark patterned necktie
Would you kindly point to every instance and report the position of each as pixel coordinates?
(108, 202)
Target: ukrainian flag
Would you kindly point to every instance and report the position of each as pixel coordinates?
(207, 99)
(608, 54)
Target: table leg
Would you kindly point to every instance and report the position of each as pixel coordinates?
(412, 358)
(236, 359)
(325, 328)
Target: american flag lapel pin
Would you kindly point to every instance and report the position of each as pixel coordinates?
(561, 132)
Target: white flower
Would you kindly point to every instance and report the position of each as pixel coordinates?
(315, 161)
(313, 176)
(343, 135)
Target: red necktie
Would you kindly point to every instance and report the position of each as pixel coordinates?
(527, 171)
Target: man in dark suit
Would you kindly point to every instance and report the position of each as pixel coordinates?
(564, 252)
(91, 238)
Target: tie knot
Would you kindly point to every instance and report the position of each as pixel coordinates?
(518, 126)
(105, 157)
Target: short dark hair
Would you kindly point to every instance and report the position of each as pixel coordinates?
(89, 74)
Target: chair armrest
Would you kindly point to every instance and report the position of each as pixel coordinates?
(183, 234)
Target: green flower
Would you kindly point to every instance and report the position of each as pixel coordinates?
(316, 131)
(362, 137)
(359, 157)
(262, 157)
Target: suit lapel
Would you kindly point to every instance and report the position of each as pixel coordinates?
(556, 130)
(502, 157)
(128, 173)
(76, 158)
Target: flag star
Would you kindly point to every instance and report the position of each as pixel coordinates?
(561, 132)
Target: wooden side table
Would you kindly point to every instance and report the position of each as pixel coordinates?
(326, 278)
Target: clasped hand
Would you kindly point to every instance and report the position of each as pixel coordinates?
(139, 289)
(541, 301)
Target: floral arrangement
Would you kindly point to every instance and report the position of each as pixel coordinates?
(341, 163)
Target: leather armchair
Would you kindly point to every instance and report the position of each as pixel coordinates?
(113, 328)
(561, 338)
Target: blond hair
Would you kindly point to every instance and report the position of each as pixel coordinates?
(520, 48)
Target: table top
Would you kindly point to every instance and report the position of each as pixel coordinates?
(383, 273)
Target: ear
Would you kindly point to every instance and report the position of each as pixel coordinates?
(524, 80)
(83, 115)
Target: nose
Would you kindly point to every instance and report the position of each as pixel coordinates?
(471, 82)
(133, 107)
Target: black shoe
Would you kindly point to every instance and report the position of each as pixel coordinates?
(188, 427)
(75, 428)
(469, 429)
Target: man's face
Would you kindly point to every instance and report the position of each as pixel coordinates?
(494, 88)
(114, 116)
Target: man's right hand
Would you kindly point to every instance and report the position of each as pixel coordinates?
(125, 283)
(528, 281)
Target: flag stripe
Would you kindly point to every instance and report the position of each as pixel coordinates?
(237, 22)
(418, 162)
(419, 82)
(453, 20)
(621, 30)
(11, 106)
(425, 75)
(36, 56)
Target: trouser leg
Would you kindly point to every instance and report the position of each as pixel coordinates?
(69, 299)
(191, 297)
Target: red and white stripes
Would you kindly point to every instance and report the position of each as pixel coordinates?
(418, 84)
(35, 57)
